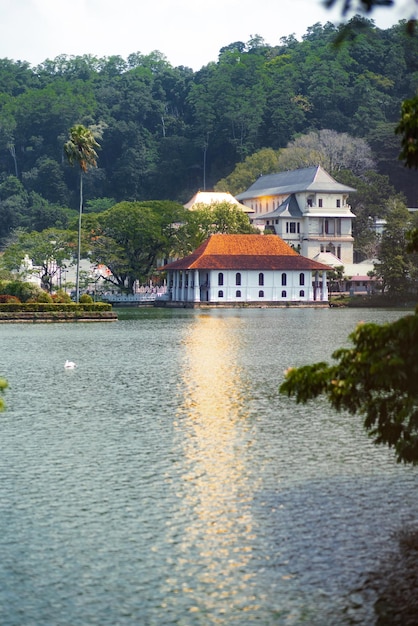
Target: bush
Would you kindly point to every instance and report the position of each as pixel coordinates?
(40, 307)
(86, 299)
(62, 297)
(22, 290)
(6, 298)
(44, 297)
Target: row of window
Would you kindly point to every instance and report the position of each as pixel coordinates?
(320, 203)
(327, 226)
(260, 294)
(258, 208)
(260, 279)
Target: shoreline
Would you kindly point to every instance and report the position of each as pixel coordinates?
(45, 317)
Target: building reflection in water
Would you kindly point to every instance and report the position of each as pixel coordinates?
(217, 485)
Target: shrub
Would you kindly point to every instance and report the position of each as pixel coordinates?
(44, 297)
(22, 290)
(62, 297)
(86, 299)
(6, 298)
(40, 307)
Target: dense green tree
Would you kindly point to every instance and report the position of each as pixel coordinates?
(336, 277)
(206, 220)
(41, 214)
(42, 117)
(334, 151)
(170, 131)
(371, 201)
(11, 186)
(12, 215)
(408, 128)
(20, 289)
(228, 103)
(131, 237)
(47, 179)
(286, 108)
(386, 147)
(264, 161)
(49, 251)
(98, 205)
(397, 268)
(375, 378)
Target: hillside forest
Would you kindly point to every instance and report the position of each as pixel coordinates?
(166, 132)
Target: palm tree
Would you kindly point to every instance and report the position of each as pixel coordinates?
(81, 149)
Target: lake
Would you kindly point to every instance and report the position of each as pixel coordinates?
(165, 481)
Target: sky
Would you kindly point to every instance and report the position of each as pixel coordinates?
(187, 32)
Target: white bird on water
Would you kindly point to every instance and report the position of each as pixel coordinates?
(69, 365)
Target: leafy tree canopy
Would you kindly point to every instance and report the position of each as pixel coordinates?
(130, 237)
(264, 161)
(218, 217)
(48, 251)
(81, 147)
(334, 151)
(3, 385)
(375, 378)
(397, 267)
(166, 131)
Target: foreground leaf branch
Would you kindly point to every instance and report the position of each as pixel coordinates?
(3, 385)
(376, 378)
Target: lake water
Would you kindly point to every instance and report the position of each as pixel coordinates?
(165, 481)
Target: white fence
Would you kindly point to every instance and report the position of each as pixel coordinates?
(142, 296)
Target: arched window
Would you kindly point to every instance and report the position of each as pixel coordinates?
(301, 278)
(220, 279)
(261, 279)
(238, 294)
(261, 294)
(284, 294)
(284, 279)
(238, 278)
(220, 294)
(302, 293)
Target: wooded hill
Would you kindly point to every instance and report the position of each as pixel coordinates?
(166, 132)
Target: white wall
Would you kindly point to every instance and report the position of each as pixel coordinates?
(273, 289)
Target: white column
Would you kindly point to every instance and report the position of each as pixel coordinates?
(324, 291)
(175, 285)
(183, 287)
(196, 295)
(167, 282)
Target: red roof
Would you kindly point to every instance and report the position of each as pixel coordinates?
(245, 252)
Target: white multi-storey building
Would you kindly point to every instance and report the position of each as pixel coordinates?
(307, 208)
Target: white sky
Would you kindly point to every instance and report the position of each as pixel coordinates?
(187, 32)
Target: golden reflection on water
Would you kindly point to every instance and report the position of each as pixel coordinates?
(217, 486)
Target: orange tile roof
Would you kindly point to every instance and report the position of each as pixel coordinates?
(241, 252)
(247, 245)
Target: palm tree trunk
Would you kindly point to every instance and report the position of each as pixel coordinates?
(77, 279)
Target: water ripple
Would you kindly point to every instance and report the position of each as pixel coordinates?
(165, 481)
